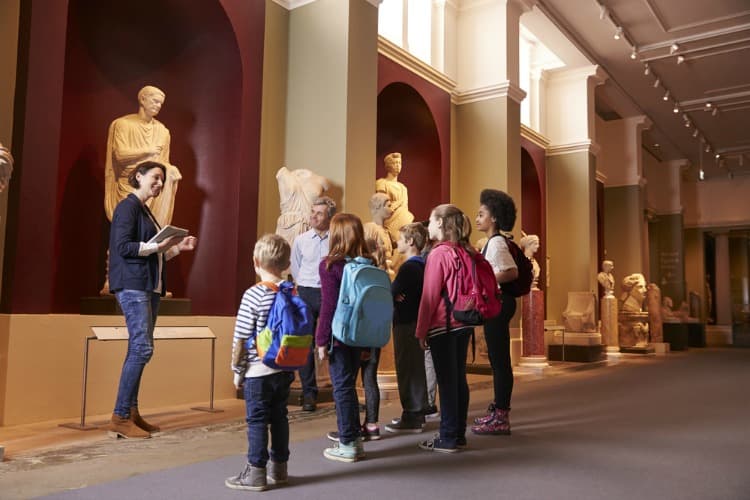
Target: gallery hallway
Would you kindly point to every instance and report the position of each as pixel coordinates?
(673, 427)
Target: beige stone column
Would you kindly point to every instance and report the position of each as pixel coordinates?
(486, 112)
(571, 185)
(723, 298)
(331, 101)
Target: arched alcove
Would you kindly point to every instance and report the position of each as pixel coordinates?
(189, 50)
(406, 125)
(533, 207)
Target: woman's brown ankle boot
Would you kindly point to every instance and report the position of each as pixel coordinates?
(126, 428)
(135, 416)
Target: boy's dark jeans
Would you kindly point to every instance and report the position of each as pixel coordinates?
(410, 372)
(265, 400)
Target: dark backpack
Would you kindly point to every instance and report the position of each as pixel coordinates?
(475, 298)
(287, 338)
(522, 285)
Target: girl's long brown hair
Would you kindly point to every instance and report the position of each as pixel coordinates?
(456, 225)
(347, 239)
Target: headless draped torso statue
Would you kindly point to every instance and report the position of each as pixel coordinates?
(397, 194)
(297, 191)
(133, 139)
(376, 235)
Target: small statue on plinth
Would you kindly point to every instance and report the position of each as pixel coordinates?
(606, 278)
(634, 293)
(633, 321)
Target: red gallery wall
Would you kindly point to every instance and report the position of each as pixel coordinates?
(81, 66)
(414, 119)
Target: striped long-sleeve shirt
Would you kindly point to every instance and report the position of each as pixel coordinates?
(252, 317)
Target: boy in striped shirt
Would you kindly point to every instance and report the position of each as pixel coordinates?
(266, 389)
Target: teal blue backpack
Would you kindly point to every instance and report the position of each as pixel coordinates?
(364, 311)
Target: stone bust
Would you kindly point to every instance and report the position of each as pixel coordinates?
(135, 138)
(397, 194)
(6, 167)
(634, 293)
(530, 245)
(606, 279)
(376, 234)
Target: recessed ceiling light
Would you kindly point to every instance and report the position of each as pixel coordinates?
(618, 33)
(676, 108)
(657, 145)
(717, 156)
(708, 105)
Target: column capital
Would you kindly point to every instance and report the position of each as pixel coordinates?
(504, 89)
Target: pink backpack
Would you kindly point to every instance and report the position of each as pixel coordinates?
(475, 296)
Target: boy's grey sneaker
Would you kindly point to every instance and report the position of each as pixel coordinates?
(251, 479)
(276, 472)
(405, 427)
(342, 452)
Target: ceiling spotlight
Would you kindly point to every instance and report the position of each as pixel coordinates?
(603, 12)
(701, 175)
(717, 156)
(673, 48)
(633, 54)
(666, 96)
(657, 82)
(708, 106)
(687, 123)
(714, 112)
(646, 69)
(680, 59)
(676, 108)
(618, 33)
(695, 133)
(708, 148)
(657, 145)
(685, 116)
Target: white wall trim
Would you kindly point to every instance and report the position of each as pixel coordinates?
(534, 137)
(415, 65)
(587, 146)
(504, 89)
(600, 177)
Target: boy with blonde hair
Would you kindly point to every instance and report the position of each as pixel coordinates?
(266, 389)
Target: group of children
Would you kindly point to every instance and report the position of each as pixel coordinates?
(421, 324)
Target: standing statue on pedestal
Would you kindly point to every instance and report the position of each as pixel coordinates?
(397, 193)
(530, 245)
(6, 167)
(376, 235)
(606, 278)
(133, 139)
(297, 190)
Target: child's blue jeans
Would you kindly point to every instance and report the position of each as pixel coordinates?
(266, 399)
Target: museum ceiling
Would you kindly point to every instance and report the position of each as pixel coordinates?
(682, 63)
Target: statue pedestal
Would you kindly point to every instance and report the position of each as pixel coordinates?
(608, 308)
(676, 334)
(533, 329)
(632, 329)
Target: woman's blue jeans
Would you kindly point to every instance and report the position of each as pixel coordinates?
(140, 309)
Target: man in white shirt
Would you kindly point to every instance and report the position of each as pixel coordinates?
(308, 250)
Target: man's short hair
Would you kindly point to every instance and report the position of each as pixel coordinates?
(273, 253)
(417, 233)
(325, 200)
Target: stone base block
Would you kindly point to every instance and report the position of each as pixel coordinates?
(660, 347)
(696, 334)
(718, 335)
(325, 395)
(676, 334)
(577, 353)
(649, 349)
(533, 362)
(108, 305)
(576, 338)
